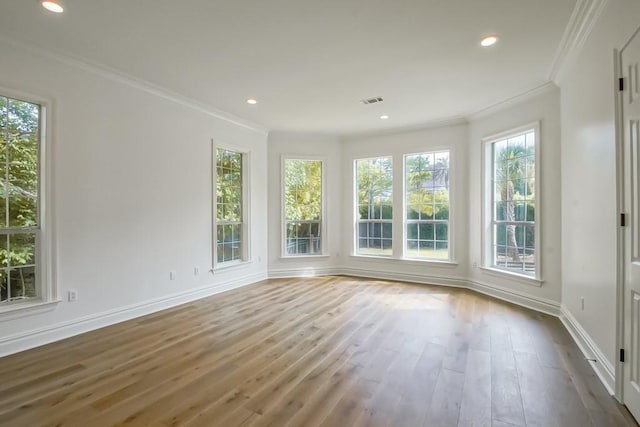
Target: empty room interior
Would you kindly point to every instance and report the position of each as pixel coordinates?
(337, 213)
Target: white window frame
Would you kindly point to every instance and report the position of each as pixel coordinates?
(46, 285)
(323, 217)
(392, 221)
(487, 196)
(245, 206)
(405, 221)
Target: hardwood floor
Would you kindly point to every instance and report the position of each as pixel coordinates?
(332, 351)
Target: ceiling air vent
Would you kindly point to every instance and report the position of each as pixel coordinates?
(371, 100)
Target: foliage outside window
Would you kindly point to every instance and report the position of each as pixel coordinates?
(374, 196)
(303, 207)
(20, 127)
(513, 213)
(229, 206)
(427, 205)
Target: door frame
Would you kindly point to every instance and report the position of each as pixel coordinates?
(620, 234)
(620, 203)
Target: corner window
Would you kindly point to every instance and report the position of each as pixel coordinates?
(374, 206)
(21, 128)
(426, 200)
(303, 207)
(510, 202)
(230, 224)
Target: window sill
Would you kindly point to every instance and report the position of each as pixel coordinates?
(433, 262)
(13, 311)
(520, 278)
(294, 257)
(230, 266)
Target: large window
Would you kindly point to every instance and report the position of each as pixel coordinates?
(374, 210)
(20, 232)
(303, 207)
(427, 205)
(229, 218)
(512, 192)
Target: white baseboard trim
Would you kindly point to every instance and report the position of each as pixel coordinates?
(534, 303)
(404, 277)
(286, 273)
(35, 338)
(602, 367)
(542, 305)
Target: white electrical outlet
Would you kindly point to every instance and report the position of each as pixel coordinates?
(72, 295)
(172, 275)
(196, 271)
(582, 303)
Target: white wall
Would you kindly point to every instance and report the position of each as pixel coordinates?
(453, 137)
(322, 147)
(132, 197)
(545, 108)
(589, 210)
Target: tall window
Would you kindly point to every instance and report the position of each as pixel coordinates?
(427, 205)
(302, 207)
(20, 128)
(230, 239)
(374, 216)
(513, 202)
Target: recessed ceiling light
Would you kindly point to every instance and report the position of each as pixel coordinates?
(384, 117)
(52, 6)
(489, 40)
(252, 101)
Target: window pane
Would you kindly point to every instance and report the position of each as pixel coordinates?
(374, 192)
(303, 203)
(19, 181)
(229, 205)
(23, 249)
(427, 198)
(4, 255)
(513, 171)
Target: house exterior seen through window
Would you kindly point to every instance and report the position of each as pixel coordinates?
(427, 205)
(230, 207)
(374, 206)
(512, 196)
(20, 232)
(303, 207)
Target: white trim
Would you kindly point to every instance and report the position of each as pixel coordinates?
(602, 367)
(583, 18)
(512, 101)
(135, 82)
(30, 308)
(620, 232)
(34, 338)
(511, 275)
(428, 125)
(407, 261)
(283, 273)
(542, 305)
(304, 257)
(405, 277)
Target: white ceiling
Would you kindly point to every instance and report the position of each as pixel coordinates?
(308, 63)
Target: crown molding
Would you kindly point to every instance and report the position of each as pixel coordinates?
(432, 124)
(134, 82)
(583, 18)
(512, 100)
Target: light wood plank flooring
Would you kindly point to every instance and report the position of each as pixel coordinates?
(332, 351)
